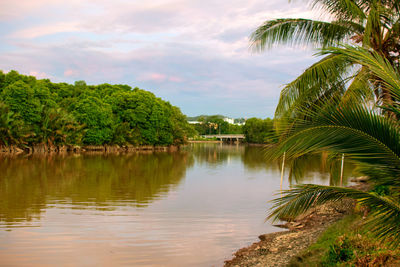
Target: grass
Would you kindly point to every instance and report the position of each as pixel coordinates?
(345, 244)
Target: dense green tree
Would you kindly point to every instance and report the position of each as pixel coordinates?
(182, 129)
(11, 127)
(63, 114)
(214, 124)
(259, 131)
(2, 80)
(97, 116)
(57, 127)
(20, 97)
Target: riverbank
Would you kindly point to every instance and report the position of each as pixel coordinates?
(279, 249)
(205, 141)
(14, 150)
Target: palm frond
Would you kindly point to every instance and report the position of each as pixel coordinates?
(376, 63)
(384, 219)
(341, 9)
(360, 133)
(298, 32)
(359, 89)
(312, 84)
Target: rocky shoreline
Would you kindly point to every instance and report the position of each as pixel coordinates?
(277, 249)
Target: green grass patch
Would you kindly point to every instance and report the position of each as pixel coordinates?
(345, 243)
(312, 255)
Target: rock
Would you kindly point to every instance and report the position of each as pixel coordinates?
(361, 179)
(273, 250)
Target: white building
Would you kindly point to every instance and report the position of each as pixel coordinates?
(229, 120)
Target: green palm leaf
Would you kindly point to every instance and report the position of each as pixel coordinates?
(314, 83)
(368, 23)
(360, 133)
(384, 219)
(373, 61)
(343, 9)
(299, 32)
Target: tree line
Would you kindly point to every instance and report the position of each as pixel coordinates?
(215, 124)
(259, 131)
(34, 112)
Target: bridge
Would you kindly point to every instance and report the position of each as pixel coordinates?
(227, 138)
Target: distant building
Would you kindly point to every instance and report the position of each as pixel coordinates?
(229, 120)
(194, 122)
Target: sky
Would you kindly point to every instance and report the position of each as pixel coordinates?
(193, 53)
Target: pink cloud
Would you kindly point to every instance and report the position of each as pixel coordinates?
(70, 73)
(46, 29)
(159, 77)
(39, 75)
(175, 79)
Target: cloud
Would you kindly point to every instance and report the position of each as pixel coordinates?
(70, 73)
(159, 78)
(175, 79)
(42, 30)
(39, 75)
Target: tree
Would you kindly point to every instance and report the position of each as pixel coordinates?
(47, 113)
(20, 97)
(11, 132)
(259, 131)
(57, 127)
(365, 136)
(97, 117)
(181, 129)
(367, 23)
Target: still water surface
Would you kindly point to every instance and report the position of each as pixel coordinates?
(194, 207)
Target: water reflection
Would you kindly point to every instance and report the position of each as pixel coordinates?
(188, 208)
(27, 184)
(316, 167)
(215, 154)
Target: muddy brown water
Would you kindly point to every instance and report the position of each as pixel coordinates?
(193, 207)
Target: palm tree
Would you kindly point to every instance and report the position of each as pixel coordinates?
(366, 136)
(11, 127)
(57, 127)
(367, 23)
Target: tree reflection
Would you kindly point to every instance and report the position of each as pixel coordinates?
(215, 154)
(27, 185)
(323, 166)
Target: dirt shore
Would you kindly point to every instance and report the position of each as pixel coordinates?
(44, 149)
(276, 249)
(199, 141)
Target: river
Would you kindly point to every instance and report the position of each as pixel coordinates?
(193, 207)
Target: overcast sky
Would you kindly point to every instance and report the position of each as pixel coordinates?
(192, 53)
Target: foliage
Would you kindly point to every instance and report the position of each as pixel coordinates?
(40, 112)
(365, 136)
(345, 244)
(374, 24)
(10, 127)
(215, 124)
(260, 131)
(340, 251)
